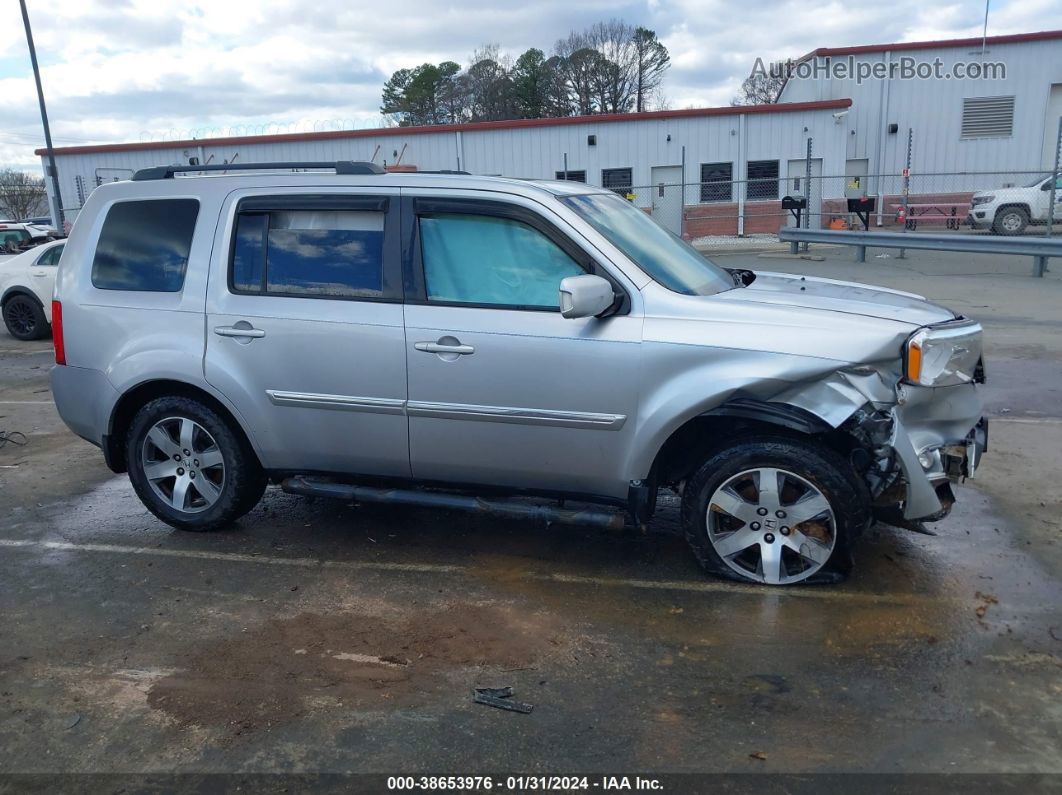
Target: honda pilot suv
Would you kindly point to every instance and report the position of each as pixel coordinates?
(502, 346)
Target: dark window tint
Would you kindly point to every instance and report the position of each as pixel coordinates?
(716, 182)
(144, 245)
(572, 176)
(328, 253)
(763, 179)
(616, 179)
(248, 258)
(10, 240)
(479, 259)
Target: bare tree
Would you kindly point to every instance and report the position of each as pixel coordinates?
(21, 194)
(763, 86)
(489, 87)
(614, 77)
(651, 60)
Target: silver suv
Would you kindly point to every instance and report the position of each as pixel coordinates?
(502, 346)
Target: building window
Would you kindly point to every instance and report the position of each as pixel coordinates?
(144, 245)
(716, 182)
(310, 253)
(987, 117)
(572, 176)
(485, 260)
(617, 179)
(762, 178)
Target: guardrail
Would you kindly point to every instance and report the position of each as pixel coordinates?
(1037, 248)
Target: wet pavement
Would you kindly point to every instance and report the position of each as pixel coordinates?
(316, 636)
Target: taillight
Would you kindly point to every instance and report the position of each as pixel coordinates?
(57, 332)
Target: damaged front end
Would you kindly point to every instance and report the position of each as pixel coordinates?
(913, 428)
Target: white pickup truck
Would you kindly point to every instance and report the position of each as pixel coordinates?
(1008, 211)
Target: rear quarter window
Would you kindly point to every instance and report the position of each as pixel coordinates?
(144, 245)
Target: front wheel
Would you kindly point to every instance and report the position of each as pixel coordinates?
(1011, 221)
(776, 511)
(189, 466)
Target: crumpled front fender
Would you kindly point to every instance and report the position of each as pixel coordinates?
(923, 418)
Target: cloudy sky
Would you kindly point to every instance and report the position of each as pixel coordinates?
(132, 70)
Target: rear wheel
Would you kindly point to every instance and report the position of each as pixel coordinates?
(24, 318)
(1010, 221)
(776, 511)
(190, 467)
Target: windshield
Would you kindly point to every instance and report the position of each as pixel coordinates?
(1036, 182)
(666, 258)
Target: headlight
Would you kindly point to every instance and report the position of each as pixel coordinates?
(943, 355)
(976, 200)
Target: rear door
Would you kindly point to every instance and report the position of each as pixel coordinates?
(304, 328)
(42, 274)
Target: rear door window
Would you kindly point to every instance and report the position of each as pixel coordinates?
(144, 245)
(313, 253)
(51, 256)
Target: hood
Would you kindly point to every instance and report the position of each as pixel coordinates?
(830, 295)
(1008, 194)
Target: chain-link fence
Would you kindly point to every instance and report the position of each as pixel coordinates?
(1003, 202)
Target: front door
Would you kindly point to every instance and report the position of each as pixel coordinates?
(502, 389)
(304, 329)
(667, 197)
(798, 185)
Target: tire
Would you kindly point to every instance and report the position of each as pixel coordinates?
(230, 479)
(24, 318)
(816, 549)
(1011, 221)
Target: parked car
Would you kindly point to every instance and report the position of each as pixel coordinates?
(1008, 211)
(43, 224)
(449, 340)
(16, 237)
(26, 284)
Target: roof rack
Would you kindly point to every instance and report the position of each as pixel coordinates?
(340, 166)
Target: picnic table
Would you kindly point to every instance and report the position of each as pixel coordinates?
(948, 212)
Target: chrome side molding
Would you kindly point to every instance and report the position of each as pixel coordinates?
(312, 400)
(450, 411)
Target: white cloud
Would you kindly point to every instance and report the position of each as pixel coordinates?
(117, 70)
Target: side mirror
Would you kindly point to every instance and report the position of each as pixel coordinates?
(585, 296)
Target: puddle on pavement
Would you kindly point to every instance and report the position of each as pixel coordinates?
(280, 670)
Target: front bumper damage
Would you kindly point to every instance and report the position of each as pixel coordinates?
(911, 441)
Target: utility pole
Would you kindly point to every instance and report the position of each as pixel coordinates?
(60, 221)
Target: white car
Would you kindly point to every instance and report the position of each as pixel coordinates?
(1008, 211)
(26, 284)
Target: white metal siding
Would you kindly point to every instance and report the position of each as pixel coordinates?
(533, 152)
(933, 109)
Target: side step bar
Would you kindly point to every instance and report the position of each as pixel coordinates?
(314, 487)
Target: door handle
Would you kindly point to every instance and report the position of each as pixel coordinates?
(239, 331)
(438, 347)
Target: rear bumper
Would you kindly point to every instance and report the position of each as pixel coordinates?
(84, 399)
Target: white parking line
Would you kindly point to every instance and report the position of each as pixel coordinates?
(42, 351)
(706, 586)
(27, 402)
(1029, 420)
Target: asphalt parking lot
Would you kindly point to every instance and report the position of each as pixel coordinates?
(320, 637)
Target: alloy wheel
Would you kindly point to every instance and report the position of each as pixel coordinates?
(183, 464)
(771, 525)
(19, 317)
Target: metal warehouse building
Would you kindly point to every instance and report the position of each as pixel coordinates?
(711, 170)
